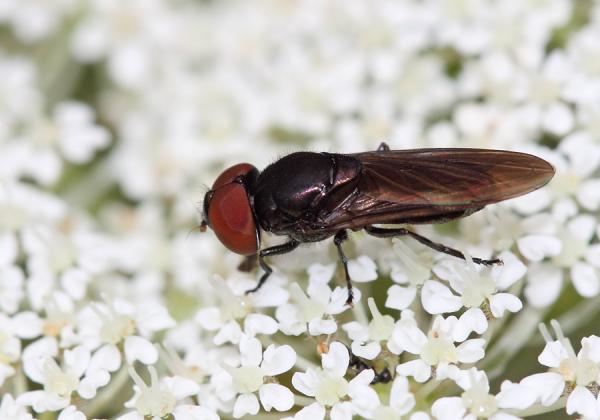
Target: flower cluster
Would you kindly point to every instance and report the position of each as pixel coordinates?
(114, 115)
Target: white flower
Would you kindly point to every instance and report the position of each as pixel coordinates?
(436, 349)
(313, 313)
(577, 255)
(24, 325)
(160, 399)
(11, 279)
(567, 370)
(59, 382)
(249, 378)
(366, 340)
(479, 288)
(402, 401)
(331, 390)
(411, 273)
(236, 306)
(10, 409)
(474, 402)
(71, 413)
(118, 321)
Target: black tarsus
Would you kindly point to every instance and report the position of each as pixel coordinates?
(359, 365)
(340, 237)
(383, 147)
(387, 233)
(268, 252)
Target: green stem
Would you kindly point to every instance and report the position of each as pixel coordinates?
(105, 398)
(538, 409)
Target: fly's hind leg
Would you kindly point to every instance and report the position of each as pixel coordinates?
(383, 147)
(390, 232)
(340, 237)
(267, 252)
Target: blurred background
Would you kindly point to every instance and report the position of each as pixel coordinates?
(126, 111)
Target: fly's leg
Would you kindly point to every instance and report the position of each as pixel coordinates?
(389, 232)
(268, 252)
(383, 147)
(340, 237)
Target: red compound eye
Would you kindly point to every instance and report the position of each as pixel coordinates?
(229, 212)
(230, 174)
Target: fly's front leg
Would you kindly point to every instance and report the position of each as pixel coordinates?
(390, 232)
(340, 237)
(267, 252)
(383, 147)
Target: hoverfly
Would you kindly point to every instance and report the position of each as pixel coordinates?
(308, 197)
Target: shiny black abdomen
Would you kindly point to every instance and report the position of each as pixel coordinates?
(293, 194)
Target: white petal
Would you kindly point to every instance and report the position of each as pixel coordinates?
(337, 300)
(364, 400)
(558, 119)
(548, 386)
(315, 411)
(77, 360)
(250, 351)
(582, 401)
(516, 396)
(341, 411)
(138, 348)
(362, 269)
(152, 317)
(89, 385)
(415, 368)
(259, 324)
(585, 279)
(71, 413)
(363, 379)
(356, 331)
(368, 350)
(592, 254)
(448, 408)
(409, 337)
(181, 387)
(511, 271)
(194, 412)
(277, 360)
(322, 326)
(209, 318)
(582, 227)
(245, 404)
(107, 358)
(472, 320)
(553, 354)
(501, 302)
(537, 247)
(321, 273)
(438, 299)
(400, 297)
(589, 194)
(231, 332)
(307, 383)
(276, 396)
(27, 325)
(544, 282)
(336, 359)
(471, 350)
(401, 400)
(590, 348)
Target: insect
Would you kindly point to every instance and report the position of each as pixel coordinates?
(308, 197)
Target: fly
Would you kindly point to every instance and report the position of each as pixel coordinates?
(309, 197)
